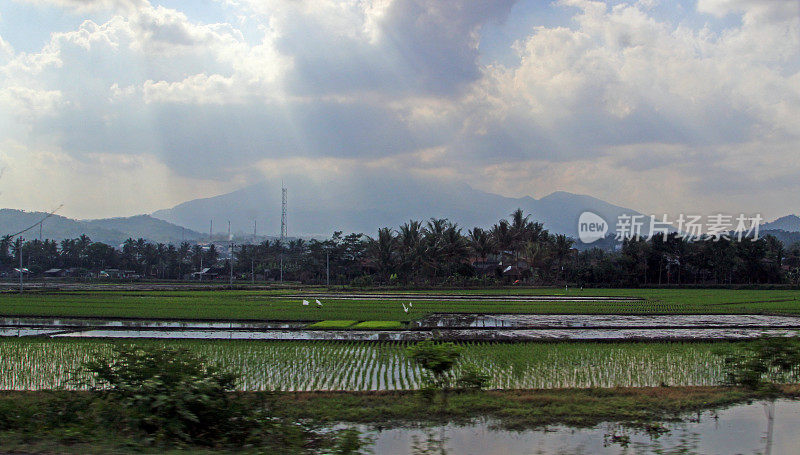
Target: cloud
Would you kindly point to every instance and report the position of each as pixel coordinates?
(608, 99)
(6, 51)
(85, 6)
(398, 47)
(97, 185)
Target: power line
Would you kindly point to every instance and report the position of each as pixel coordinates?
(38, 223)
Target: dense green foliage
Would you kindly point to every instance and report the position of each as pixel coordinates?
(171, 394)
(159, 397)
(763, 363)
(437, 252)
(436, 359)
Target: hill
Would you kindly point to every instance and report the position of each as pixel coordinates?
(319, 208)
(112, 231)
(788, 223)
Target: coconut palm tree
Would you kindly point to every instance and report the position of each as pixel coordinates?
(502, 237)
(481, 243)
(382, 251)
(411, 247)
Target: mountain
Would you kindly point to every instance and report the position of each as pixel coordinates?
(788, 223)
(318, 208)
(145, 226)
(112, 231)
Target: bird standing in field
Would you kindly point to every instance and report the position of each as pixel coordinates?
(319, 304)
(305, 302)
(404, 307)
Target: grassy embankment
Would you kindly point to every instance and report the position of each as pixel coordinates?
(276, 305)
(73, 422)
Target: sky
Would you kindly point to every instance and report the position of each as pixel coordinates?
(119, 107)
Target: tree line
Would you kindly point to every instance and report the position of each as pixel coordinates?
(436, 252)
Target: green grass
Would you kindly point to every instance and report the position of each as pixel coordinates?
(331, 324)
(275, 305)
(380, 325)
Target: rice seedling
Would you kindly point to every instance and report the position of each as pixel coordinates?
(35, 364)
(280, 305)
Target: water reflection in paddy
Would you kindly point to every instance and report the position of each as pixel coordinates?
(740, 429)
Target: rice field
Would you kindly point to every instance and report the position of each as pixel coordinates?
(271, 305)
(36, 364)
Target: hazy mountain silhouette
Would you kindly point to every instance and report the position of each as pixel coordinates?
(366, 204)
(112, 231)
(788, 223)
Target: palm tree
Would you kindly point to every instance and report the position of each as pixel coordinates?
(453, 246)
(382, 251)
(562, 247)
(411, 247)
(434, 234)
(502, 237)
(480, 243)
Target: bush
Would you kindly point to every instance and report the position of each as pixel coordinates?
(435, 358)
(171, 394)
(363, 281)
(762, 363)
(473, 377)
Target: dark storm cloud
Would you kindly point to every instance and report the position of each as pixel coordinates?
(420, 47)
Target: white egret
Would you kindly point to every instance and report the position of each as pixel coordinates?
(319, 304)
(404, 307)
(305, 302)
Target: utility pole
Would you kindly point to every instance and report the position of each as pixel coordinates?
(328, 267)
(284, 229)
(210, 230)
(230, 247)
(253, 255)
(20, 264)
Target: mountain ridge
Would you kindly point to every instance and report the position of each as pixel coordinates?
(319, 209)
(112, 231)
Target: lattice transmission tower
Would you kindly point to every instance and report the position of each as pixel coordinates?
(284, 231)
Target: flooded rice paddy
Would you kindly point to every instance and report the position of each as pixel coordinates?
(42, 363)
(456, 327)
(740, 429)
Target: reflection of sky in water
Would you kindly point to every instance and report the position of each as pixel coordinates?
(456, 334)
(501, 327)
(740, 429)
(601, 320)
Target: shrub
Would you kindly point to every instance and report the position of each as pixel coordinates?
(472, 377)
(171, 394)
(363, 281)
(763, 362)
(435, 358)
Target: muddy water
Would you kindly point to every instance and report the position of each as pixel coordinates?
(460, 335)
(526, 321)
(464, 327)
(740, 429)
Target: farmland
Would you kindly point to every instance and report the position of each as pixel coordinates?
(285, 304)
(35, 363)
